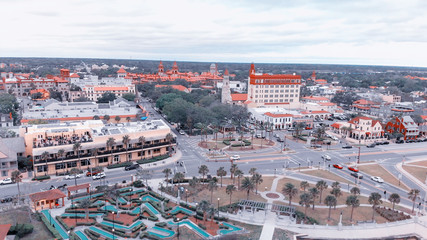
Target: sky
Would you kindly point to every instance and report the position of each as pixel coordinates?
(371, 32)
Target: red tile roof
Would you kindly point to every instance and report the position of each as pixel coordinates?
(177, 87)
(278, 114)
(239, 96)
(357, 119)
(336, 125)
(4, 229)
(74, 75)
(121, 70)
(78, 187)
(327, 104)
(47, 195)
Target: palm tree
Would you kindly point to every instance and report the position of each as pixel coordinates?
(193, 183)
(94, 153)
(355, 191)
(233, 169)
(110, 143)
(117, 118)
(178, 177)
(394, 198)
(17, 178)
(321, 185)
(141, 140)
(85, 204)
(169, 138)
(314, 193)
(74, 171)
(126, 140)
(215, 131)
(203, 206)
(203, 169)
(330, 201)
(106, 118)
(336, 192)
(96, 117)
(257, 179)
(76, 148)
(221, 173)
(229, 190)
(45, 156)
(60, 154)
(239, 174)
(211, 187)
(354, 202)
(252, 171)
(114, 193)
(252, 138)
(336, 185)
(290, 190)
(374, 200)
(247, 185)
(413, 195)
(304, 185)
(128, 119)
(167, 172)
(305, 200)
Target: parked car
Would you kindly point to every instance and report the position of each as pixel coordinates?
(132, 167)
(372, 145)
(6, 199)
(6, 181)
(353, 169)
(410, 141)
(347, 146)
(279, 139)
(181, 132)
(377, 179)
(400, 141)
(62, 187)
(386, 142)
(334, 138)
(68, 177)
(339, 166)
(99, 176)
(235, 157)
(291, 129)
(356, 175)
(92, 173)
(326, 157)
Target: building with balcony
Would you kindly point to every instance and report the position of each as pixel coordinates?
(360, 128)
(404, 125)
(57, 148)
(10, 150)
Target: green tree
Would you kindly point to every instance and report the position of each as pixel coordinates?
(355, 191)
(141, 140)
(353, 202)
(16, 177)
(74, 172)
(321, 185)
(290, 190)
(45, 156)
(129, 96)
(117, 118)
(239, 174)
(374, 200)
(304, 185)
(336, 192)
(221, 173)
(252, 171)
(107, 97)
(247, 185)
(314, 193)
(178, 177)
(330, 201)
(211, 187)
(167, 172)
(203, 169)
(85, 204)
(257, 179)
(126, 141)
(169, 138)
(203, 206)
(305, 200)
(233, 169)
(413, 195)
(76, 148)
(96, 117)
(60, 154)
(394, 198)
(110, 143)
(107, 117)
(229, 190)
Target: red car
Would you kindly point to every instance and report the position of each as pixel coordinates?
(93, 173)
(339, 166)
(353, 169)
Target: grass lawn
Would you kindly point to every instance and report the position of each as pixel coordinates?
(266, 182)
(418, 172)
(326, 174)
(20, 215)
(281, 234)
(377, 170)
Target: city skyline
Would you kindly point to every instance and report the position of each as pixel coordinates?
(332, 32)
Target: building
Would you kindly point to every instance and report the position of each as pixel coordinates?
(360, 128)
(93, 92)
(10, 150)
(239, 98)
(44, 142)
(176, 87)
(404, 125)
(279, 120)
(391, 98)
(226, 91)
(273, 90)
(364, 106)
(235, 86)
(47, 199)
(53, 111)
(6, 120)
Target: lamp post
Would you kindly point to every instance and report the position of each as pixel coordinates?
(113, 226)
(177, 234)
(196, 212)
(218, 208)
(186, 194)
(140, 209)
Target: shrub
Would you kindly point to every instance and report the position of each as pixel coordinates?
(154, 159)
(91, 234)
(160, 224)
(50, 227)
(41, 178)
(21, 230)
(202, 226)
(301, 216)
(138, 184)
(119, 165)
(59, 219)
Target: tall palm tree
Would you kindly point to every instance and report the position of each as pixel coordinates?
(203, 169)
(290, 190)
(330, 201)
(353, 202)
(229, 190)
(247, 185)
(394, 198)
(211, 187)
(114, 193)
(60, 154)
(110, 143)
(45, 156)
(257, 179)
(336, 192)
(336, 185)
(413, 195)
(167, 172)
(252, 139)
(94, 154)
(17, 178)
(239, 174)
(321, 185)
(221, 173)
(304, 185)
(74, 171)
(169, 138)
(215, 131)
(314, 193)
(85, 204)
(204, 206)
(178, 177)
(128, 119)
(305, 200)
(252, 171)
(355, 191)
(233, 169)
(76, 148)
(193, 184)
(141, 140)
(374, 200)
(126, 141)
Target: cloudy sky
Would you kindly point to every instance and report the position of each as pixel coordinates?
(380, 32)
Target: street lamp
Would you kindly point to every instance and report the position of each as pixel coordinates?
(177, 234)
(113, 226)
(186, 194)
(218, 208)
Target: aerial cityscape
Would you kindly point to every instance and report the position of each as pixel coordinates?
(213, 120)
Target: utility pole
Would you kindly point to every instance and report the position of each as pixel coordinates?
(358, 156)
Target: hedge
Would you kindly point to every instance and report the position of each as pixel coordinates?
(202, 226)
(50, 227)
(91, 234)
(138, 184)
(59, 219)
(153, 159)
(160, 224)
(119, 165)
(301, 215)
(189, 207)
(21, 230)
(40, 178)
(145, 235)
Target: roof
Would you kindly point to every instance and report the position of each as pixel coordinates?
(424, 117)
(11, 146)
(74, 75)
(110, 89)
(327, 104)
(314, 98)
(239, 96)
(78, 187)
(121, 70)
(278, 114)
(336, 125)
(356, 120)
(47, 195)
(176, 87)
(4, 229)
(363, 102)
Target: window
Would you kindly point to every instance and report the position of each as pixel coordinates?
(130, 156)
(103, 159)
(4, 173)
(71, 164)
(286, 95)
(59, 166)
(281, 95)
(281, 90)
(84, 162)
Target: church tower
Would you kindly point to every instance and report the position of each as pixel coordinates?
(161, 69)
(226, 92)
(175, 70)
(313, 76)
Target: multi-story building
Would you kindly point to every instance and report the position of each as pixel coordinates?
(360, 128)
(93, 143)
(93, 92)
(404, 125)
(6, 120)
(10, 150)
(267, 90)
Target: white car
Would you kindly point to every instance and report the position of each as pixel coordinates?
(377, 179)
(326, 157)
(181, 132)
(235, 157)
(68, 177)
(98, 176)
(6, 181)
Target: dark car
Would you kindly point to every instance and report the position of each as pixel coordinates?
(372, 145)
(386, 142)
(356, 175)
(6, 199)
(131, 167)
(410, 141)
(400, 141)
(347, 146)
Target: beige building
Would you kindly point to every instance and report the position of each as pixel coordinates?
(93, 92)
(43, 142)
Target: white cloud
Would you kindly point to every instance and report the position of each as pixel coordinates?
(350, 32)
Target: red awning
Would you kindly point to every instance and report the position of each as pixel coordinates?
(368, 133)
(336, 125)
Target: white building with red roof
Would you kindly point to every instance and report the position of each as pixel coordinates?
(360, 128)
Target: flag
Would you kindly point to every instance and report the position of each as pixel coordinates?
(10, 115)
